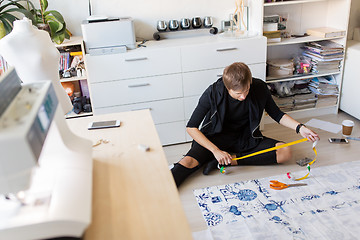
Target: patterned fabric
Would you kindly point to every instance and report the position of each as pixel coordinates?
(327, 208)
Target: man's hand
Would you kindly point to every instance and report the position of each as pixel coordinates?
(222, 157)
(309, 134)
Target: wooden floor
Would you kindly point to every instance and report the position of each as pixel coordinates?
(328, 154)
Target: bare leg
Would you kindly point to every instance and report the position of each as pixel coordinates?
(283, 154)
(189, 162)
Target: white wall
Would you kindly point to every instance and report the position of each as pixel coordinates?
(354, 17)
(145, 12)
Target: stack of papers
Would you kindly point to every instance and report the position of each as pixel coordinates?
(304, 101)
(285, 104)
(324, 85)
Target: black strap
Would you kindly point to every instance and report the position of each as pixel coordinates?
(298, 127)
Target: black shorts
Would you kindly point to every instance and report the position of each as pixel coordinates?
(203, 155)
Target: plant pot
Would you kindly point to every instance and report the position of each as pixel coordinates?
(43, 26)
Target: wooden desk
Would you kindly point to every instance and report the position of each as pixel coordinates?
(134, 194)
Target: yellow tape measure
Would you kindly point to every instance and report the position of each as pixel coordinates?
(290, 176)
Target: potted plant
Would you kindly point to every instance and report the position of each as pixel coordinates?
(8, 11)
(50, 20)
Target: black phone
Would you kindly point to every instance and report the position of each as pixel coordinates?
(104, 124)
(338, 140)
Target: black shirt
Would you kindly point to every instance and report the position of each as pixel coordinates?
(236, 127)
(236, 116)
(225, 115)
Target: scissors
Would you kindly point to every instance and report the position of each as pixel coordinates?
(279, 185)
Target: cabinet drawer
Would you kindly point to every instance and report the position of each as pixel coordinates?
(196, 82)
(222, 54)
(171, 133)
(190, 104)
(133, 64)
(137, 90)
(163, 111)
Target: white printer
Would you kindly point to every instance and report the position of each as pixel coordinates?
(104, 35)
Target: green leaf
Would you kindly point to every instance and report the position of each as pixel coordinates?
(10, 18)
(7, 25)
(43, 5)
(55, 26)
(56, 14)
(23, 11)
(59, 39)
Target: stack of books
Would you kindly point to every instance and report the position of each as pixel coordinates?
(65, 61)
(326, 56)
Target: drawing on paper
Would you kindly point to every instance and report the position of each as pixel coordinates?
(327, 208)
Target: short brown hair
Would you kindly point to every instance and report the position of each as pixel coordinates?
(237, 76)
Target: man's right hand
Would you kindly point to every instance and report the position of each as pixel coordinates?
(222, 157)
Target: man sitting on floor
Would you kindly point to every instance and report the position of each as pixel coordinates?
(232, 108)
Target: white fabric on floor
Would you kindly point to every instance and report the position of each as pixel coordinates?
(327, 208)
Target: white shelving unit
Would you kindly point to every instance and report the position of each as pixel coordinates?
(302, 15)
(76, 41)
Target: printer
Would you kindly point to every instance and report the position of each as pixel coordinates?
(105, 35)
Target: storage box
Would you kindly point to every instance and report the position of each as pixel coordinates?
(280, 67)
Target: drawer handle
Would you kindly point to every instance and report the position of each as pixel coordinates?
(136, 59)
(226, 49)
(137, 109)
(219, 75)
(139, 85)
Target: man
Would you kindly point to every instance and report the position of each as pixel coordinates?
(230, 111)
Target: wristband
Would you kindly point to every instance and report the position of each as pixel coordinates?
(298, 127)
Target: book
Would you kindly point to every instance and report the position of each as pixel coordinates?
(326, 32)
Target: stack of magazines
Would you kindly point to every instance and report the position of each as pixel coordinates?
(326, 55)
(326, 90)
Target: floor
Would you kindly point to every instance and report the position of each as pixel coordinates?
(328, 154)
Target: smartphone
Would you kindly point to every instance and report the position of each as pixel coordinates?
(338, 140)
(104, 124)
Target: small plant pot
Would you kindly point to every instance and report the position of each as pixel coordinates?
(43, 26)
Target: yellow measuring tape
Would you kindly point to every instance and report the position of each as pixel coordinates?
(290, 176)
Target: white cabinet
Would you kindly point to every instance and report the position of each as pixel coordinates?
(302, 15)
(168, 77)
(350, 95)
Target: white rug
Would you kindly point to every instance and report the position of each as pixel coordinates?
(327, 208)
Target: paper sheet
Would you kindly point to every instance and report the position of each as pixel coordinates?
(327, 126)
(327, 208)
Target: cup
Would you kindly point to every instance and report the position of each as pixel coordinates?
(161, 26)
(208, 22)
(185, 23)
(347, 127)
(173, 25)
(196, 22)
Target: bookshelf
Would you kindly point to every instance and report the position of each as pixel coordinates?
(302, 15)
(77, 78)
